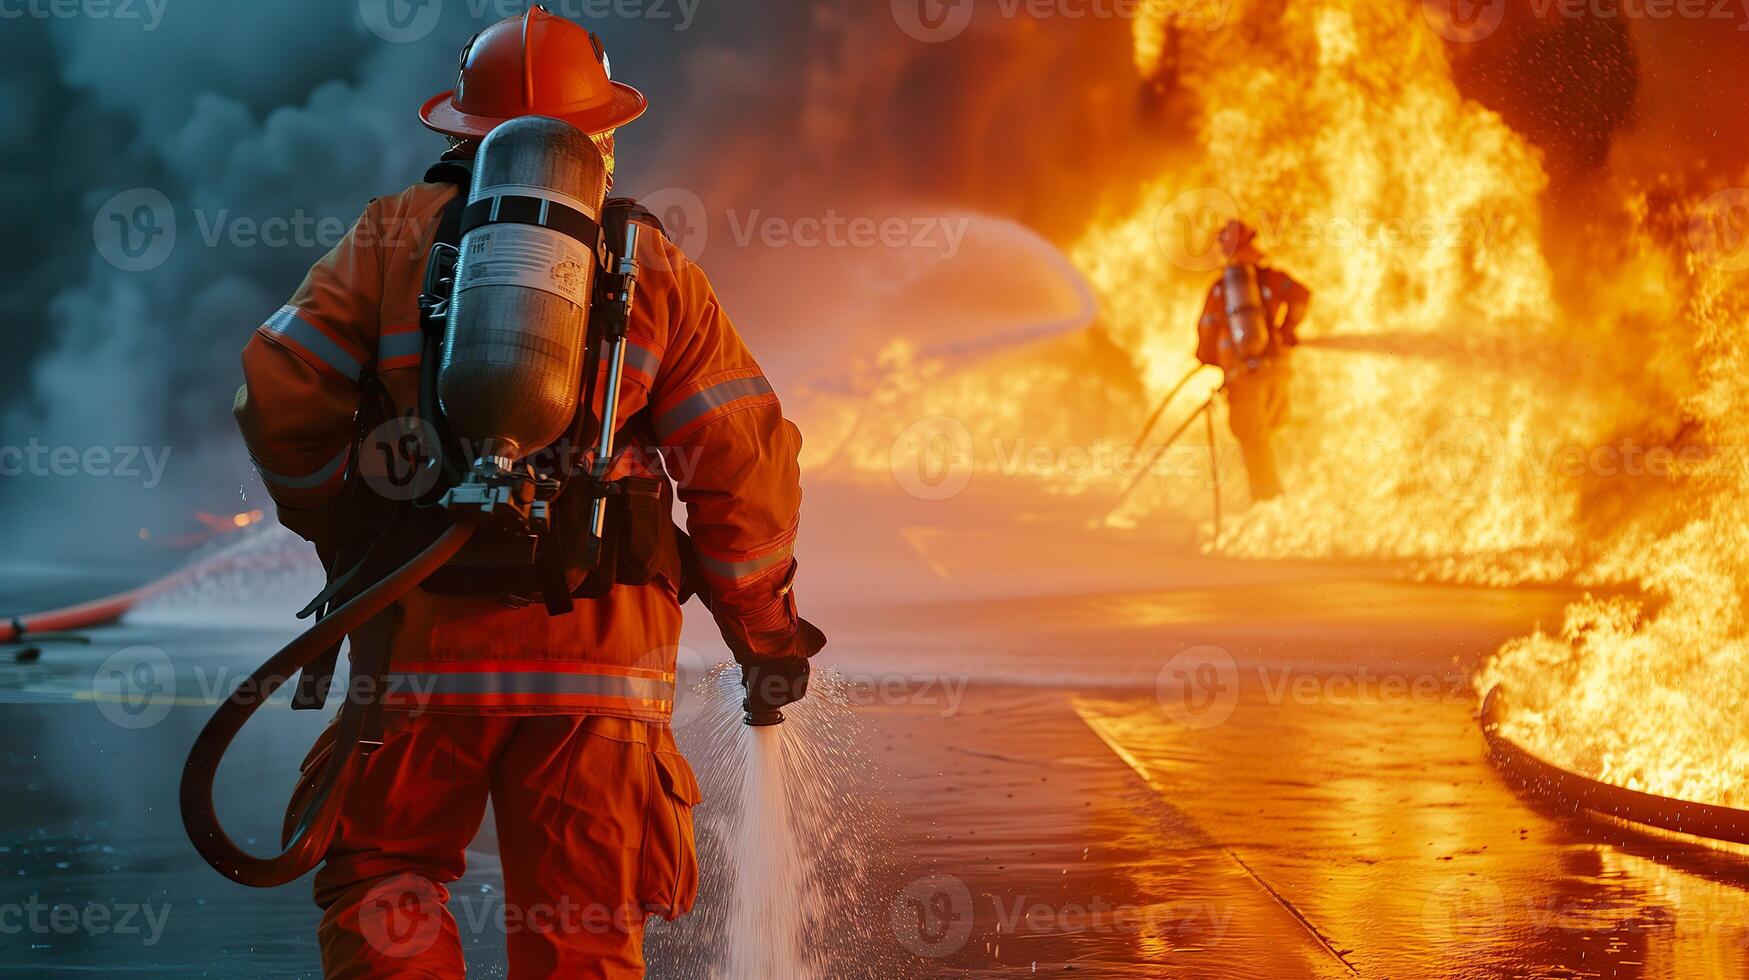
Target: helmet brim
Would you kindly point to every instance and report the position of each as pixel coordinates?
(441, 115)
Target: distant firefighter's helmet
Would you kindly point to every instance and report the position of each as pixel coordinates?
(533, 65)
(1235, 236)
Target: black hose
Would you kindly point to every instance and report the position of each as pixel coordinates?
(306, 845)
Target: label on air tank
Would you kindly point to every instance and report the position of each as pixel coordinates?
(528, 256)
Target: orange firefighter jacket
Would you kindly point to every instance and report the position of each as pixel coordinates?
(1284, 301)
(721, 433)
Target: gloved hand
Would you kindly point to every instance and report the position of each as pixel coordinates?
(780, 678)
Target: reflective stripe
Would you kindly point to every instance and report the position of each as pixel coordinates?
(712, 399)
(319, 478)
(642, 360)
(743, 569)
(399, 347)
(520, 682)
(291, 324)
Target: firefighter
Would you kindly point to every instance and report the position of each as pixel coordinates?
(561, 722)
(1247, 327)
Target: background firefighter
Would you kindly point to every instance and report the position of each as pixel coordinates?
(560, 721)
(1247, 328)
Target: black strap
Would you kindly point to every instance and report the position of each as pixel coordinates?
(520, 209)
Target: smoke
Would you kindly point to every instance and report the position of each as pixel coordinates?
(258, 132)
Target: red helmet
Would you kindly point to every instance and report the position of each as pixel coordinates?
(1235, 236)
(533, 65)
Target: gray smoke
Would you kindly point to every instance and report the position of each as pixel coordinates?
(260, 130)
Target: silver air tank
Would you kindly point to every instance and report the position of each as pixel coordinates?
(1247, 317)
(512, 367)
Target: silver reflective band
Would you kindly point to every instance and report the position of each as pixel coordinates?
(310, 482)
(709, 400)
(742, 569)
(521, 682)
(290, 323)
(393, 345)
(642, 360)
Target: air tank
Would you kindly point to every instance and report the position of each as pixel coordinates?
(1247, 318)
(511, 374)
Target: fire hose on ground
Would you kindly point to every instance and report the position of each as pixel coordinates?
(1574, 793)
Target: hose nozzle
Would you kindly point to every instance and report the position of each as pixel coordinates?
(760, 716)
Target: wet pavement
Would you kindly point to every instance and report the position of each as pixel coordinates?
(1148, 781)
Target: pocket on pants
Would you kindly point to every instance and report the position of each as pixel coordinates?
(668, 864)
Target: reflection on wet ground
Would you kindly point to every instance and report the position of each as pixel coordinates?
(1324, 815)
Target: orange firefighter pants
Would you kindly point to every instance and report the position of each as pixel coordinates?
(1256, 407)
(594, 821)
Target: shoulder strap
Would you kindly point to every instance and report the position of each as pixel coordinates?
(461, 174)
(620, 210)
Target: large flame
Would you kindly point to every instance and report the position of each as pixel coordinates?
(1472, 402)
(1501, 382)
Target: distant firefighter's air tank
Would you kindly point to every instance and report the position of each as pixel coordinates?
(513, 349)
(1247, 323)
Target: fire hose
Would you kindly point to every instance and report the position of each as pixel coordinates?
(305, 843)
(1205, 410)
(98, 612)
(1573, 793)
